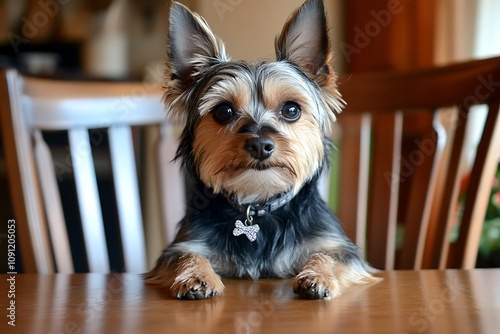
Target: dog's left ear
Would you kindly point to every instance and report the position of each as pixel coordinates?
(304, 41)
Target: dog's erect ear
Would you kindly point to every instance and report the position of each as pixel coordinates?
(192, 45)
(304, 40)
(192, 48)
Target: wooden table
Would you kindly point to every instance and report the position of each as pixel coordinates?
(450, 301)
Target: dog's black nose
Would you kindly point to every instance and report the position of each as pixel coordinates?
(260, 147)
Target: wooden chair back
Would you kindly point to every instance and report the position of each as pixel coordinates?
(401, 170)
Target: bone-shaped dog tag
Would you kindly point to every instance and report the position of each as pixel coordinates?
(250, 231)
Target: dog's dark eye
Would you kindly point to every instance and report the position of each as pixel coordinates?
(223, 113)
(290, 111)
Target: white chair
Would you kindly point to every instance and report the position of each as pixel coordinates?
(31, 106)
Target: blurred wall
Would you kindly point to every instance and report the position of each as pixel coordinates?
(248, 28)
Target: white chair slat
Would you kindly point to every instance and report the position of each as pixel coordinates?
(324, 185)
(88, 199)
(393, 201)
(150, 192)
(52, 200)
(29, 179)
(171, 183)
(127, 198)
(363, 181)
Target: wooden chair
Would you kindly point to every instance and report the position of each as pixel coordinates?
(397, 173)
(33, 107)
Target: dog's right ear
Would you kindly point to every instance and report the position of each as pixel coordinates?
(192, 48)
(192, 45)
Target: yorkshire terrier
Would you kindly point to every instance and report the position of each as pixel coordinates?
(255, 141)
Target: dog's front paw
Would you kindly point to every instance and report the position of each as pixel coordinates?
(197, 287)
(316, 280)
(195, 279)
(322, 277)
(311, 286)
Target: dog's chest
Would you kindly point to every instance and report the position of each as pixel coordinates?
(274, 253)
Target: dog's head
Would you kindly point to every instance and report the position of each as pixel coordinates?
(253, 131)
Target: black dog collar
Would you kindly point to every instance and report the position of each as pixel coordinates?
(261, 209)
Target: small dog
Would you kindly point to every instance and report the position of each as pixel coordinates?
(255, 142)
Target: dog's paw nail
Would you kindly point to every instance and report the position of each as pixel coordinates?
(199, 294)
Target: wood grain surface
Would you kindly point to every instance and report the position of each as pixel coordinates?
(452, 301)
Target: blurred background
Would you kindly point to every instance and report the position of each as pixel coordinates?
(126, 40)
(120, 38)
